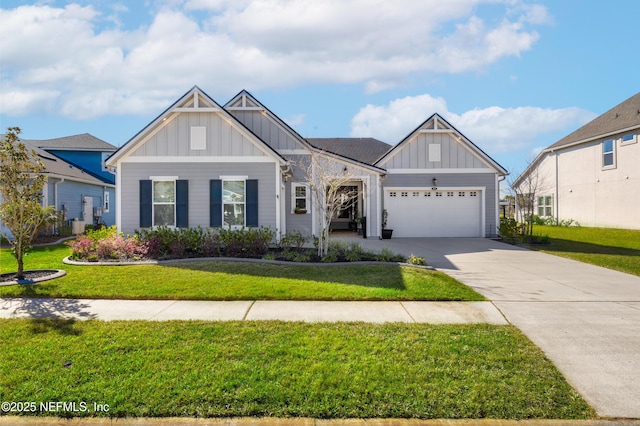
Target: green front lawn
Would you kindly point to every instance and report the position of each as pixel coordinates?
(202, 280)
(209, 369)
(617, 249)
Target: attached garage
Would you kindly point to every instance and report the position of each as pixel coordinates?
(424, 212)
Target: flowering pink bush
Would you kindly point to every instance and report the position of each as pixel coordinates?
(82, 247)
(109, 246)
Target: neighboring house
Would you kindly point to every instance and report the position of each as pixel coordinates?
(203, 164)
(593, 174)
(78, 183)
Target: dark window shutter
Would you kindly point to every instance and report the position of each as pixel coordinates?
(146, 203)
(252, 202)
(182, 203)
(215, 203)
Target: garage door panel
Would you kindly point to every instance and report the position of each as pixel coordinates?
(428, 213)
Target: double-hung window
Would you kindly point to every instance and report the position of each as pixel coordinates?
(300, 198)
(233, 203)
(608, 154)
(164, 203)
(545, 206)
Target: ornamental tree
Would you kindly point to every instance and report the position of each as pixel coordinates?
(329, 185)
(22, 179)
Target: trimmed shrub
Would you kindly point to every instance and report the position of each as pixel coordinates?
(416, 260)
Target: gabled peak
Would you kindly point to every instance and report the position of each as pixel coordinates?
(435, 123)
(195, 98)
(243, 101)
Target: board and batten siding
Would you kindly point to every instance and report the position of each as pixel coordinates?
(198, 175)
(453, 180)
(270, 132)
(222, 139)
(299, 222)
(415, 154)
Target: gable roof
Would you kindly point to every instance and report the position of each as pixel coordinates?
(437, 118)
(83, 142)
(189, 102)
(57, 167)
(621, 117)
(364, 150)
(251, 103)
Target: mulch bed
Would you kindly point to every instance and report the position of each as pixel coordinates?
(29, 276)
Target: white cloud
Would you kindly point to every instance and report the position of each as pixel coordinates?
(295, 120)
(494, 129)
(81, 52)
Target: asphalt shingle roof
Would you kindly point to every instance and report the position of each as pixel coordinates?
(364, 150)
(83, 141)
(56, 166)
(622, 116)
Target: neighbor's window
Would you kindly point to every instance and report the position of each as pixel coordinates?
(164, 203)
(608, 159)
(107, 203)
(628, 138)
(233, 203)
(545, 206)
(300, 197)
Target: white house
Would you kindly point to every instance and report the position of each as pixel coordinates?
(593, 174)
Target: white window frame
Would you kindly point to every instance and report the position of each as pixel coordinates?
(155, 179)
(546, 206)
(106, 202)
(294, 197)
(634, 138)
(242, 179)
(612, 153)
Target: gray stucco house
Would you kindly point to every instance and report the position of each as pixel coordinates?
(202, 164)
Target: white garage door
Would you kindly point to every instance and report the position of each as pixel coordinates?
(429, 213)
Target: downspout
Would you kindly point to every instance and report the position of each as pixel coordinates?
(557, 206)
(55, 193)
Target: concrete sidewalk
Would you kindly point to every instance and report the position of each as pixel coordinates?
(309, 311)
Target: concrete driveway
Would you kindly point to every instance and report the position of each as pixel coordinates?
(585, 318)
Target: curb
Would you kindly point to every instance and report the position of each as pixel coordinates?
(305, 421)
(56, 273)
(68, 261)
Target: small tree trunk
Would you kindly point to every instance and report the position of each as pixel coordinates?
(20, 260)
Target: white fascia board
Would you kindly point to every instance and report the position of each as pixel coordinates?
(50, 148)
(439, 188)
(207, 159)
(294, 152)
(74, 179)
(151, 130)
(244, 109)
(196, 109)
(441, 171)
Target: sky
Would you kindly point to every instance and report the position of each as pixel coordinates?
(514, 76)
